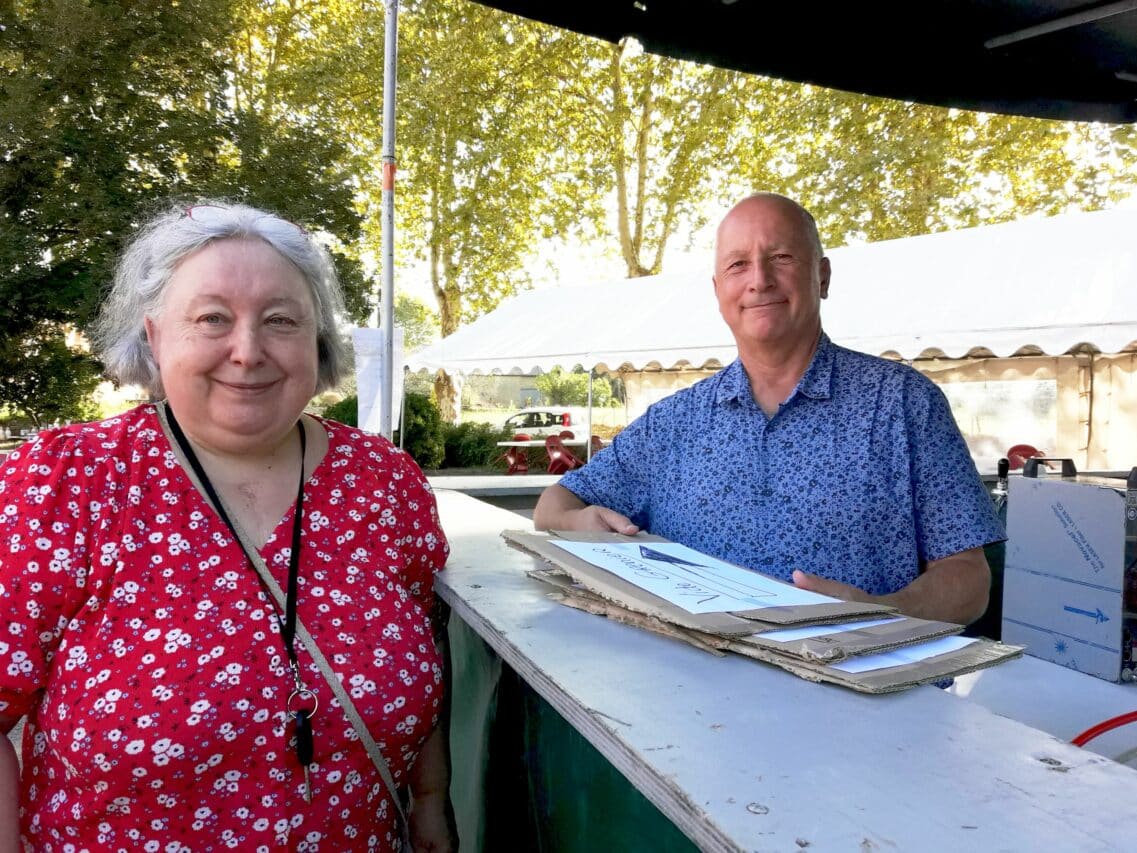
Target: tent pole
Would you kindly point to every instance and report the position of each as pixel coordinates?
(588, 438)
(387, 302)
(403, 413)
(624, 390)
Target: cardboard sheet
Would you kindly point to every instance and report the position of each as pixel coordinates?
(830, 634)
(615, 588)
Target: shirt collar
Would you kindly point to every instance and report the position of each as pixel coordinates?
(734, 384)
(816, 383)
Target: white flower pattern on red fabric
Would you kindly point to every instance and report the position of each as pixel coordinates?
(161, 721)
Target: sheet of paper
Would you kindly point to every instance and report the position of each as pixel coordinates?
(690, 580)
(808, 632)
(905, 655)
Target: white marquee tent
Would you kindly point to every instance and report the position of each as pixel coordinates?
(1056, 294)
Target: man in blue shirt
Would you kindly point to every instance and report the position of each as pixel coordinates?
(838, 471)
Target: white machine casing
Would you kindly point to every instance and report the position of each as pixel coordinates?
(1070, 577)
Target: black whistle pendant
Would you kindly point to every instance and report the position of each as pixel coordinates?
(303, 737)
(304, 748)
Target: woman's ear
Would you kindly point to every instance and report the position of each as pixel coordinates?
(151, 330)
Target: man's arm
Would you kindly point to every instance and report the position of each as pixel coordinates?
(560, 509)
(954, 589)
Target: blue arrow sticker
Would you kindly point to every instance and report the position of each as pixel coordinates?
(1097, 616)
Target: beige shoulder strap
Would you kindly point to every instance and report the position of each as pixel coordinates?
(277, 594)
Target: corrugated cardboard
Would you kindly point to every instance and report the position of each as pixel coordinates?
(1069, 547)
(831, 648)
(587, 587)
(617, 589)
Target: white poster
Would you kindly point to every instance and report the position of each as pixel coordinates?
(368, 343)
(688, 579)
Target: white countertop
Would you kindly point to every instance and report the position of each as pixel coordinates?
(744, 756)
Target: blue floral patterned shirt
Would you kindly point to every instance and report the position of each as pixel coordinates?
(861, 476)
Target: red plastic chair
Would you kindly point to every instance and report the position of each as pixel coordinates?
(567, 433)
(597, 445)
(518, 460)
(1019, 453)
(561, 459)
(521, 437)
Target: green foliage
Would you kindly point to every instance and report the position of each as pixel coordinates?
(516, 132)
(432, 442)
(472, 444)
(876, 169)
(346, 411)
(44, 379)
(482, 177)
(109, 109)
(663, 131)
(90, 136)
(571, 389)
(418, 321)
(510, 132)
(425, 436)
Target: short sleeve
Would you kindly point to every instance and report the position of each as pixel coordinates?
(616, 477)
(954, 513)
(48, 506)
(422, 544)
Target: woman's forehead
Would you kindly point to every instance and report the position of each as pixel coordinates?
(238, 266)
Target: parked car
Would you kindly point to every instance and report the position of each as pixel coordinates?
(539, 422)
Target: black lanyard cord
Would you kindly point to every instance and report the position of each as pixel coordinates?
(288, 621)
(301, 716)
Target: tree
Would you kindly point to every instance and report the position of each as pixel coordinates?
(571, 389)
(483, 182)
(110, 109)
(424, 437)
(877, 169)
(484, 171)
(514, 132)
(419, 323)
(88, 94)
(100, 102)
(44, 378)
(509, 132)
(665, 131)
(292, 155)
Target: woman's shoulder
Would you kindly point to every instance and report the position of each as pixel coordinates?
(348, 444)
(85, 446)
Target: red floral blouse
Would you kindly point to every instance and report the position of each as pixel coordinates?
(137, 639)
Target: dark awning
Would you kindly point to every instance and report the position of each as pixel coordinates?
(1061, 59)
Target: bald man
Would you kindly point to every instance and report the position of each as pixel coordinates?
(840, 472)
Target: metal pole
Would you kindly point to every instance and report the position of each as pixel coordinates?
(588, 446)
(387, 303)
(403, 414)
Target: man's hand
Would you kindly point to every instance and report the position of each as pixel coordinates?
(953, 589)
(560, 509)
(834, 589)
(599, 518)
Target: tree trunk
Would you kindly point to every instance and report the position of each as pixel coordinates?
(448, 394)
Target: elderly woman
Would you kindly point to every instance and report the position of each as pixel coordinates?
(216, 608)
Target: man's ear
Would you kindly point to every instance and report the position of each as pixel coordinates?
(826, 272)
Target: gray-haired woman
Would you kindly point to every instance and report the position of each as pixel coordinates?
(219, 606)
